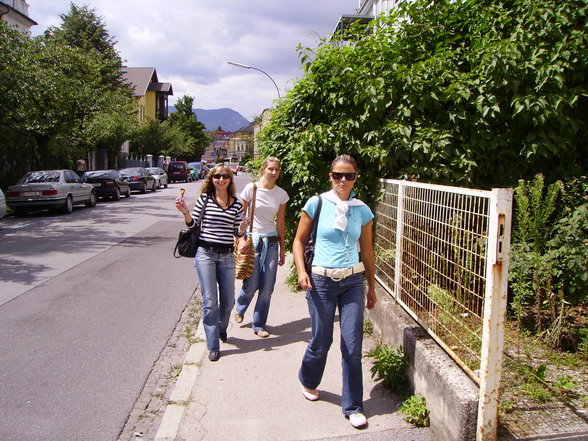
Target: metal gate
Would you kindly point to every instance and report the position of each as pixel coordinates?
(442, 253)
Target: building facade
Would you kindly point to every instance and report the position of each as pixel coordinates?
(16, 13)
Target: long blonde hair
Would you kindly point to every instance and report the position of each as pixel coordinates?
(209, 188)
(264, 165)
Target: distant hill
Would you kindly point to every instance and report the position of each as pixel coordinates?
(227, 119)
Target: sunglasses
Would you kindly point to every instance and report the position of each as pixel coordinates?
(337, 176)
(224, 176)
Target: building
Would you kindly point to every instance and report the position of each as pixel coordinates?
(241, 142)
(258, 126)
(151, 95)
(366, 11)
(219, 147)
(16, 13)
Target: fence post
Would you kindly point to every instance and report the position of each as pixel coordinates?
(399, 234)
(499, 225)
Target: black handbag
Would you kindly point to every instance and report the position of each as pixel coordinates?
(187, 243)
(311, 241)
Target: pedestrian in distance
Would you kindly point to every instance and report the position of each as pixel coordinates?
(214, 261)
(268, 239)
(81, 167)
(336, 281)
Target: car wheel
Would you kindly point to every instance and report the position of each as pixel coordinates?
(21, 211)
(128, 193)
(154, 186)
(144, 188)
(68, 205)
(116, 196)
(92, 201)
(165, 185)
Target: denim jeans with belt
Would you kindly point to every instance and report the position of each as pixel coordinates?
(262, 279)
(216, 272)
(325, 297)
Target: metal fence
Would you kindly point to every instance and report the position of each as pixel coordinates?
(442, 253)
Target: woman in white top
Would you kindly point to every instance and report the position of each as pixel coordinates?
(268, 239)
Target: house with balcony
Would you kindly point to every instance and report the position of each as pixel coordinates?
(16, 13)
(241, 142)
(151, 96)
(367, 10)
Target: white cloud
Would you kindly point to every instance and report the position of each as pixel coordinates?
(190, 41)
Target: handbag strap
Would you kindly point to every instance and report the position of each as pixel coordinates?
(252, 208)
(316, 218)
(202, 211)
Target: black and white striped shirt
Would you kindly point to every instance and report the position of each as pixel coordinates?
(219, 225)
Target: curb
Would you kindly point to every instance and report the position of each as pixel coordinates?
(180, 397)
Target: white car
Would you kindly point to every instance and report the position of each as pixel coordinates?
(2, 205)
(159, 175)
(52, 189)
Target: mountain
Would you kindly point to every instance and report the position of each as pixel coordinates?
(227, 119)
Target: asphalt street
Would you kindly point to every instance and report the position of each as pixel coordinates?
(87, 303)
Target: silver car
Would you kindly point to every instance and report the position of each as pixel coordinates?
(52, 189)
(159, 175)
(2, 205)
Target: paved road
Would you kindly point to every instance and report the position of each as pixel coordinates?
(87, 303)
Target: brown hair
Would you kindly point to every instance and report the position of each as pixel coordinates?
(344, 158)
(209, 188)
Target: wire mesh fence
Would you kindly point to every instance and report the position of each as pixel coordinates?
(442, 253)
(441, 275)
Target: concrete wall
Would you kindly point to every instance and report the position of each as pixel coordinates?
(452, 397)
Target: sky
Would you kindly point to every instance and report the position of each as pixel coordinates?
(190, 41)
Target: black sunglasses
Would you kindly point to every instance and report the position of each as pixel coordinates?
(337, 176)
(224, 176)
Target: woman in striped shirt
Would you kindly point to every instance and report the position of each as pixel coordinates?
(214, 261)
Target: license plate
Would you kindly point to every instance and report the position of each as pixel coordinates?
(31, 193)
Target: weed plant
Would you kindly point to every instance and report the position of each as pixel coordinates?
(415, 409)
(390, 367)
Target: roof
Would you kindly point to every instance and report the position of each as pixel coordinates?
(346, 20)
(143, 79)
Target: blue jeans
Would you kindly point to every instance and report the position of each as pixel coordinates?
(216, 272)
(262, 279)
(325, 297)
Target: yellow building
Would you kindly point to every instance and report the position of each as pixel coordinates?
(152, 96)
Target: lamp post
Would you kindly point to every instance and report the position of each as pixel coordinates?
(244, 66)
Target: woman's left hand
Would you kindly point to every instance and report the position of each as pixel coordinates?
(371, 299)
(282, 257)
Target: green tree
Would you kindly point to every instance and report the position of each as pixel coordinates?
(184, 120)
(82, 28)
(478, 93)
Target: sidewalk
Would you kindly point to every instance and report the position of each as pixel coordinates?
(253, 393)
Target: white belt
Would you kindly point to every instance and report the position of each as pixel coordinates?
(338, 274)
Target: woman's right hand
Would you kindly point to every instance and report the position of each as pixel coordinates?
(242, 244)
(181, 205)
(304, 280)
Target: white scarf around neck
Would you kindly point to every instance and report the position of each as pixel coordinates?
(342, 207)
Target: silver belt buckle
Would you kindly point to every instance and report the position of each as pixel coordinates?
(337, 274)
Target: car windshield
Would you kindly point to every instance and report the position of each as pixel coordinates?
(153, 170)
(131, 171)
(98, 174)
(40, 176)
(176, 165)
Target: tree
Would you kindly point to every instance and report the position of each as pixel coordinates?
(184, 120)
(476, 93)
(82, 28)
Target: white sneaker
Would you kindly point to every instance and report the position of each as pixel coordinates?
(358, 420)
(310, 394)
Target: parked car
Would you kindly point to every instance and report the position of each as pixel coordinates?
(2, 205)
(139, 179)
(202, 172)
(193, 172)
(108, 183)
(159, 175)
(52, 189)
(178, 171)
(233, 168)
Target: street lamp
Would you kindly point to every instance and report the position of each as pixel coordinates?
(244, 66)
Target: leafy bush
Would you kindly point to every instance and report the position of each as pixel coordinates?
(390, 367)
(415, 409)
